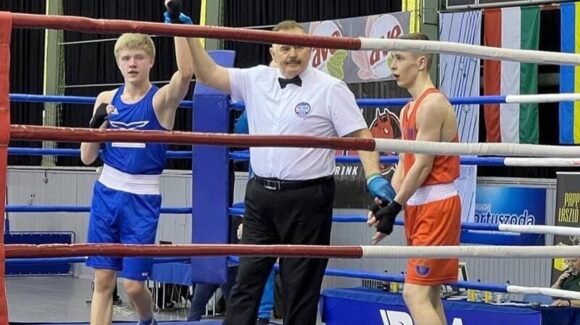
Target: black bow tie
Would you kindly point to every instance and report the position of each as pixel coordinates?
(284, 82)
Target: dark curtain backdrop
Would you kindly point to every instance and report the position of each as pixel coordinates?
(26, 73)
(94, 63)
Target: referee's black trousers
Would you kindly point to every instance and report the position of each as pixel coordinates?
(288, 216)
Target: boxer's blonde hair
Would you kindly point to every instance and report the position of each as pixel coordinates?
(135, 42)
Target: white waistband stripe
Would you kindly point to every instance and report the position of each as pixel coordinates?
(432, 193)
(136, 184)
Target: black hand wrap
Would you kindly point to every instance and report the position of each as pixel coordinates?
(101, 115)
(376, 207)
(174, 10)
(386, 216)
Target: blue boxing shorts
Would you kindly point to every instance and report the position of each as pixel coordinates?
(127, 218)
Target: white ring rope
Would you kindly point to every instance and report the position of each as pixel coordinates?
(485, 149)
(540, 229)
(470, 251)
(543, 98)
(478, 51)
(541, 162)
(559, 293)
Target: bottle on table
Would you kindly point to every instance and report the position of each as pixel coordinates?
(386, 285)
(471, 295)
(402, 283)
(478, 293)
(395, 287)
(507, 296)
(487, 296)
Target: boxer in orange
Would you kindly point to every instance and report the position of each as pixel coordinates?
(424, 187)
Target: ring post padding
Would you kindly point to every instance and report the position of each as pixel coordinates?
(211, 184)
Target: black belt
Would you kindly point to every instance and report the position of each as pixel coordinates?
(275, 184)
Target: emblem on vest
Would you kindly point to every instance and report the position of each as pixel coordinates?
(112, 109)
(422, 270)
(302, 109)
(130, 125)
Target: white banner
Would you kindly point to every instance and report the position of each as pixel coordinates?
(459, 77)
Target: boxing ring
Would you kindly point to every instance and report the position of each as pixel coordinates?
(566, 156)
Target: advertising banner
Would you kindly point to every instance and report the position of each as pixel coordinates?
(507, 205)
(567, 215)
(371, 306)
(357, 66)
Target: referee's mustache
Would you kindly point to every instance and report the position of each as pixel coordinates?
(293, 61)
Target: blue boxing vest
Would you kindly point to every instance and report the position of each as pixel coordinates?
(135, 158)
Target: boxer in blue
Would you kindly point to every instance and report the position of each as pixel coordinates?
(126, 199)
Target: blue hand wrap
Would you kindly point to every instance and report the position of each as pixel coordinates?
(380, 187)
(173, 15)
(182, 19)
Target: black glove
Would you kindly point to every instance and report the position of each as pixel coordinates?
(101, 115)
(386, 216)
(376, 207)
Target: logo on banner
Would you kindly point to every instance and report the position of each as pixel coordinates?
(375, 64)
(484, 214)
(385, 125)
(391, 317)
(569, 213)
(330, 61)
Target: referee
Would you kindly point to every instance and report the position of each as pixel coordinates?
(290, 198)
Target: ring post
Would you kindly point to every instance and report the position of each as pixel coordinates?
(5, 33)
(211, 184)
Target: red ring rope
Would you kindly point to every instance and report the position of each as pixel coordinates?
(114, 26)
(44, 133)
(64, 250)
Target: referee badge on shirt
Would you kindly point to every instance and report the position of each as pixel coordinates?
(302, 109)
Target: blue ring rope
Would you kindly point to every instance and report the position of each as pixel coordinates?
(73, 209)
(393, 277)
(329, 271)
(347, 218)
(233, 211)
(29, 98)
(364, 102)
(374, 102)
(244, 155)
(480, 161)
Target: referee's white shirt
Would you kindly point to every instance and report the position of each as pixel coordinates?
(322, 106)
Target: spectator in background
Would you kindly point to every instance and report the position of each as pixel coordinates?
(569, 280)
